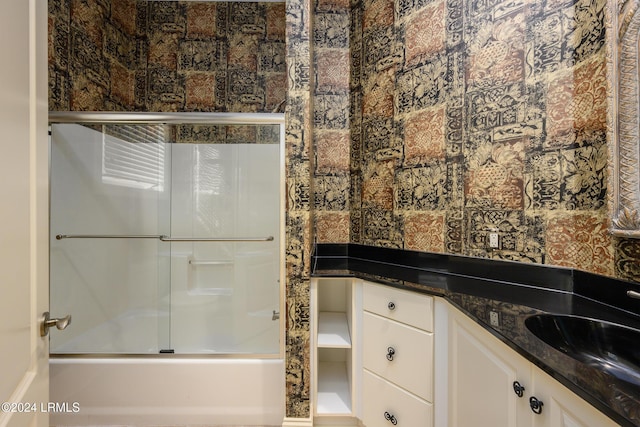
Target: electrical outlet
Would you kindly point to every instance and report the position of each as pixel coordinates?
(494, 240)
(494, 319)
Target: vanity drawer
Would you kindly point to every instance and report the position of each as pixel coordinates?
(399, 353)
(383, 402)
(403, 306)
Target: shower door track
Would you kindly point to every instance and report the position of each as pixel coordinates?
(165, 118)
(164, 238)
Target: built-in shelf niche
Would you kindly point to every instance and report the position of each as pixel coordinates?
(333, 330)
(333, 311)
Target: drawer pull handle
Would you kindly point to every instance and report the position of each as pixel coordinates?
(518, 389)
(536, 405)
(391, 306)
(390, 418)
(390, 353)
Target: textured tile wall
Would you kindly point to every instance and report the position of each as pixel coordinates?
(476, 116)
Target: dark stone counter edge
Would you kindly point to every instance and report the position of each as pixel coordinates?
(439, 270)
(552, 289)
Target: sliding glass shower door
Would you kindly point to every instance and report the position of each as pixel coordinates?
(223, 292)
(166, 247)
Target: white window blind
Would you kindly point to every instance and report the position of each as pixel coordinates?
(134, 156)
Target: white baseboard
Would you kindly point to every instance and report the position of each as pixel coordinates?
(331, 421)
(297, 422)
(336, 421)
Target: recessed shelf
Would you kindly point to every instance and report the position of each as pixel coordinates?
(332, 353)
(333, 330)
(334, 395)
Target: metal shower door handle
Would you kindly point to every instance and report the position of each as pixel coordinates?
(47, 322)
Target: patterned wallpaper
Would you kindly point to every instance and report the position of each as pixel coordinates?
(331, 120)
(298, 159)
(471, 117)
(160, 56)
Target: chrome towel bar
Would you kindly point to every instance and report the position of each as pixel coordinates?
(164, 238)
(194, 262)
(216, 239)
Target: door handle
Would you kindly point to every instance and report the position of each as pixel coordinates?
(46, 322)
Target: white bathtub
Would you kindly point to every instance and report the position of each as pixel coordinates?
(172, 391)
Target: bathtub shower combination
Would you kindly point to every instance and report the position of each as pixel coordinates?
(166, 249)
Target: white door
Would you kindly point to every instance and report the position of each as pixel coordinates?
(24, 377)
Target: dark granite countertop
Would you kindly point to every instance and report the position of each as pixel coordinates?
(516, 291)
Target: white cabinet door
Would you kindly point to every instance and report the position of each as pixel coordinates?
(482, 373)
(562, 408)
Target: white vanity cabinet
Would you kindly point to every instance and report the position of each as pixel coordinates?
(378, 361)
(397, 357)
(482, 374)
